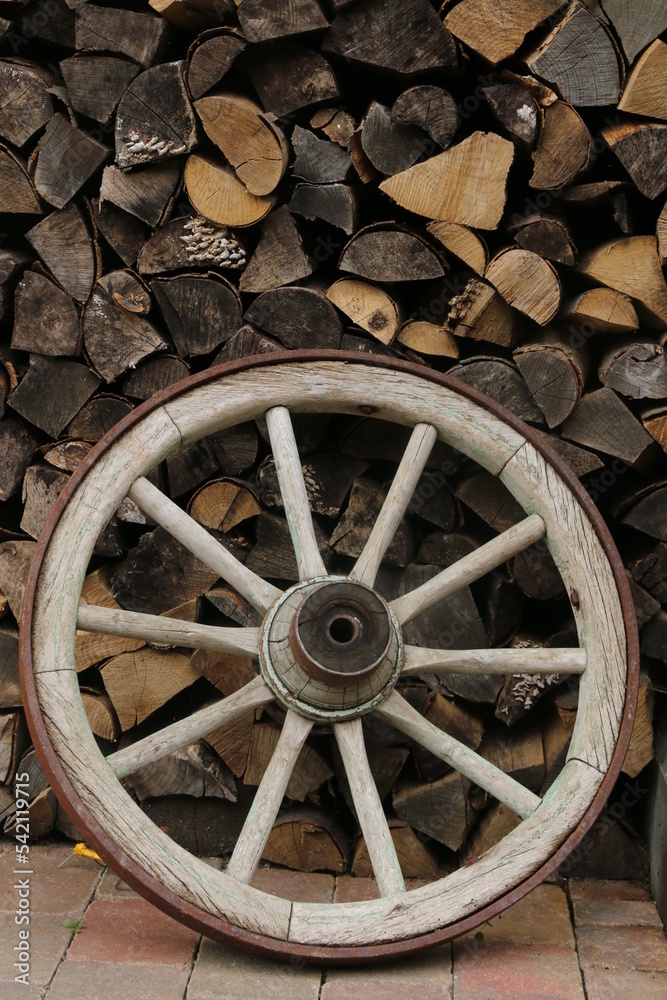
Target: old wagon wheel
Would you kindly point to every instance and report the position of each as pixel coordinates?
(329, 650)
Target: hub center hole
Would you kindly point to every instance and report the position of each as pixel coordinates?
(343, 629)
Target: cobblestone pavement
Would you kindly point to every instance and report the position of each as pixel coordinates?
(92, 938)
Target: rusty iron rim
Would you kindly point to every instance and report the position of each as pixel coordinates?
(197, 919)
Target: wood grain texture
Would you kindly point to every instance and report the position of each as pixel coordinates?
(509, 660)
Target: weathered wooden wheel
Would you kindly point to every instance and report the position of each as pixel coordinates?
(329, 651)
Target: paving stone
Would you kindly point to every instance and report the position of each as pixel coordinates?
(48, 943)
(301, 887)
(616, 912)
(543, 917)
(591, 889)
(432, 967)
(17, 991)
(497, 970)
(640, 948)
(606, 984)
(223, 973)
(52, 889)
(353, 989)
(350, 889)
(131, 931)
(101, 981)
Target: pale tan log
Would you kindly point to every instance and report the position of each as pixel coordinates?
(527, 282)
(254, 695)
(400, 714)
(399, 496)
(293, 489)
(463, 242)
(428, 338)
(216, 193)
(632, 266)
(464, 572)
(607, 310)
(465, 184)
(646, 89)
(368, 306)
(496, 30)
(261, 817)
(167, 631)
(197, 539)
(372, 820)
(508, 660)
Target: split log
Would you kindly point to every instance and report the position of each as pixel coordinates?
(385, 252)
(155, 120)
(646, 88)
(255, 147)
(101, 716)
(602, 422)
(18, 191)
(279, 257)
(140, 37)
(64, 243)
(218, 195)
(499, 379)
(319, 161)
(337, 204)
(354, 528)
(91, 647)
(52, 391)
(580, 59)
(310, 771)
(490, 499)
(651, 572)
(42, 486)
(496, 823)
(496, 32)
(194, 770)
(124, 233)
(428, 338)
(192, 15)
(210, 57)
(463, 724)
(655, 421)
(308, 840)
(15, 559)
(193, 243)
(17, 446)
(641, 147)
(637, 370)
(389, 146)
(439, 808)
(415, 857)
(140, 682)
(369, 34)
(230, 452)
(631, 266)
(117, 335)
(640, 751)
(337, 124)
(519, 753)
(12, 265)
(527, 282)
(45, 318)
(517, 111)
(661, 235)
(432, 109)
(221, 504)
(27, 103)
(10, 688)
(520, 693)
(480, 313)
(556, 741)
(95, 84)
(146, 194)
(66, 158)
(636, 26)
(549, 238)
(154, 375)
(289, 77)
(13, 740)
(537, 574)
(555, 373)
(98, 416)
(206, 826)
(273, 555)
(465, 184)
(261, 23)
(328, 477)
(603, 309)
(367, 306)
(246, 342)
(232, 742)
(464, 243)
(200, 312)
(650, 514)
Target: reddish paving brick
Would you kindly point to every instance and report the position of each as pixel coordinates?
(641, 948)
(131, 931)
(501, 971)
(350, 889)
(52, 889)
(543, 917)
(101, 981)
(222, 973)
(300, 887)
(590, 889)
(430, 968)
(606, 984)
(111, 886)
(48, 943)
(616, 912)
(355, 988)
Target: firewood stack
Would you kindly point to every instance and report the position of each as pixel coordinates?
(478, 188)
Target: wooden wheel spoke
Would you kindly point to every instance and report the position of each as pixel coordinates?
(494, 661)
(386, 867)
(400, 493)
(199, 724)
(400, 714)
(203, 545)
(484, 559)
(293, 490)
(167, 631)
(261, 817)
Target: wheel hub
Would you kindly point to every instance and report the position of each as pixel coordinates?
(331, 649)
